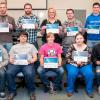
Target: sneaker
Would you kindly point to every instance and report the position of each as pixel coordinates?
(91, 95)
(2, 95)
(11, 96)
(69, 94)
(32, 96)
(99, 90)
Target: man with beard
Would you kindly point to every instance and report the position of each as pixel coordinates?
(30, 24)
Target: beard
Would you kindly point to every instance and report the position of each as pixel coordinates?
(28, 12)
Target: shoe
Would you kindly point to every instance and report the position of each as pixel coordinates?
(99, 90)
(10, 96)
(2, 95)
(46, 88)
(69, 94)
(91, 95)
(32, 96)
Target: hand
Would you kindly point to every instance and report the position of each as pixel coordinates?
(31, 61)
(11, 61)
(43, 27)
(10, 26)
(98, 62)
(36, 26)
(60, 29)
(19, 25)
(79, 63)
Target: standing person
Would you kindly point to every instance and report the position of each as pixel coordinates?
(72, 24)
(78, 65)
(3, 63)
(30, 24)
(96, 60)
(51, 20)
(22, 58)
(92, 26)
(53, 50)
(9, 22)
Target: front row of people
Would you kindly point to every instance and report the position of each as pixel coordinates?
(23, 55)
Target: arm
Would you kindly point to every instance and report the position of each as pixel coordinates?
(59, 60)
(42, 60)
(34, 58)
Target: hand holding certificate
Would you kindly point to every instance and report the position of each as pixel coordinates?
(54, 28)
(50, 62)
(20, 59)
(72, 31)
(4, 27)
(28, 24)
(80, 56)
(93, 30)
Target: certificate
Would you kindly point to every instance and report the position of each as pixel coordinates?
(80, 56)
(93, 30)
(54, 28)
(0, 55)
(28, 24)
(50, 62)
(4, 27)
(71, 31)
(20, 59)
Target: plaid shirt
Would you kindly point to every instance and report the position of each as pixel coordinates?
(32, 33)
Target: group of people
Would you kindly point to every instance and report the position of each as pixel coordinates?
(81, 54)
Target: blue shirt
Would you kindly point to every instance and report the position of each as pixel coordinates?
(93, 20)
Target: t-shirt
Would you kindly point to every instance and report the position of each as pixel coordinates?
(50, 50)
(26, 48)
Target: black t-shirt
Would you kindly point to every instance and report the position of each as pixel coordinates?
(58, 39)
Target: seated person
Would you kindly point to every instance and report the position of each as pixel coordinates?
(50, 49)
(3, 63)
(22, 58)
(78, 59)
(96, 60)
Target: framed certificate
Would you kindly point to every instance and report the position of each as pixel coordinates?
(71, 31)
(54, 28)
(28, 24)
(0, 55)
(4, 27)
(20, 59)
(93, 30)
(50, 62)
(80, 56)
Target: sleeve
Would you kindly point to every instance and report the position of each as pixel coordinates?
(38, 22)
(19, 21)
(59, 22)
(43, 23)
(41, 51)
(59, 49)
(69, 55)
(5, 58)
(34, 50)
(86, 23)
(11, 53)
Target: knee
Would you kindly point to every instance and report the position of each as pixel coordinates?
(40, 70)
(61, 70)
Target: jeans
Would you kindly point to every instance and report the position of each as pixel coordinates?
(73, 73)
(42, 72)
(2, 79)
(98, 75)
(28, 73)
(7, 46)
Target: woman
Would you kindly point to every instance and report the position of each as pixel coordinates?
(53, 50)
(77, 63)
(51, 20)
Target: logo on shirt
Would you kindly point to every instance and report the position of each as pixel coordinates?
(51, 52)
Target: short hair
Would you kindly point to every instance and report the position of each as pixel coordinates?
(23, 33)
(53, 9)
(49, 34)
(27, 4)
(5, 3)
(69, 10)
(96, 3)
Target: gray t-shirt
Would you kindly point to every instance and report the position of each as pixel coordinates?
(27, 48)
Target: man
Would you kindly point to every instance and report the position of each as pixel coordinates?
(92, 26)
(9, 22)
(26, 19)
(71, 23)
(96, 61)
(22, 58)
(3, 63)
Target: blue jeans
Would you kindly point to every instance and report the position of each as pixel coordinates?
(28, 73)
(2, 79)
(98, 75)
(72, 74)
(42, 72)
